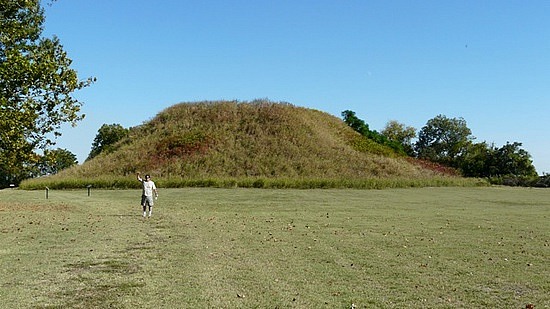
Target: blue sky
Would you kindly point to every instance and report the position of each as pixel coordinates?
(485, 61)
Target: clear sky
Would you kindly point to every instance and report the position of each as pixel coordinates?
(485, 61)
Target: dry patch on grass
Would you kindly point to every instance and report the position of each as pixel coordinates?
(98, 283)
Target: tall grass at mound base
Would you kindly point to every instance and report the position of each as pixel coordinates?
(105, 182)
(109, 182)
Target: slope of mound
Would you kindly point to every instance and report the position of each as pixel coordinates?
(231, 139)
(247, 140)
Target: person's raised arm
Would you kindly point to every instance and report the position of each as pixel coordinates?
(139, 178)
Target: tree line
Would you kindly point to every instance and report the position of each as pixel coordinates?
(449, 141)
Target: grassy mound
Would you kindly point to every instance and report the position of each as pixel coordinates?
(248, 144)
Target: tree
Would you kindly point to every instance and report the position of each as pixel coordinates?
(363, 128)
(56, 160)
(36, 83)
(355, 123)
(107, 136)
(478, 160)
(482, 160)
(401, 134)
(443, 140)
(512, 160)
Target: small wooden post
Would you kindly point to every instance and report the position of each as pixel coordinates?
(47, 191)
(89, 188)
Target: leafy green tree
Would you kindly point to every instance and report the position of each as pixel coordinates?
(398, 132)
(36, 83)
(443, 140)
(478, 160)
(512, 160)
(363, 128)
(107, 136)
(355, 123)
(482, 160)
(56, 160)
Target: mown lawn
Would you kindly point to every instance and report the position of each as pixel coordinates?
(262, 248)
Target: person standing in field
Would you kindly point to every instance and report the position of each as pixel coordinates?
(149, 189)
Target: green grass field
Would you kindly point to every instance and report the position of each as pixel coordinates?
(261, 248)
